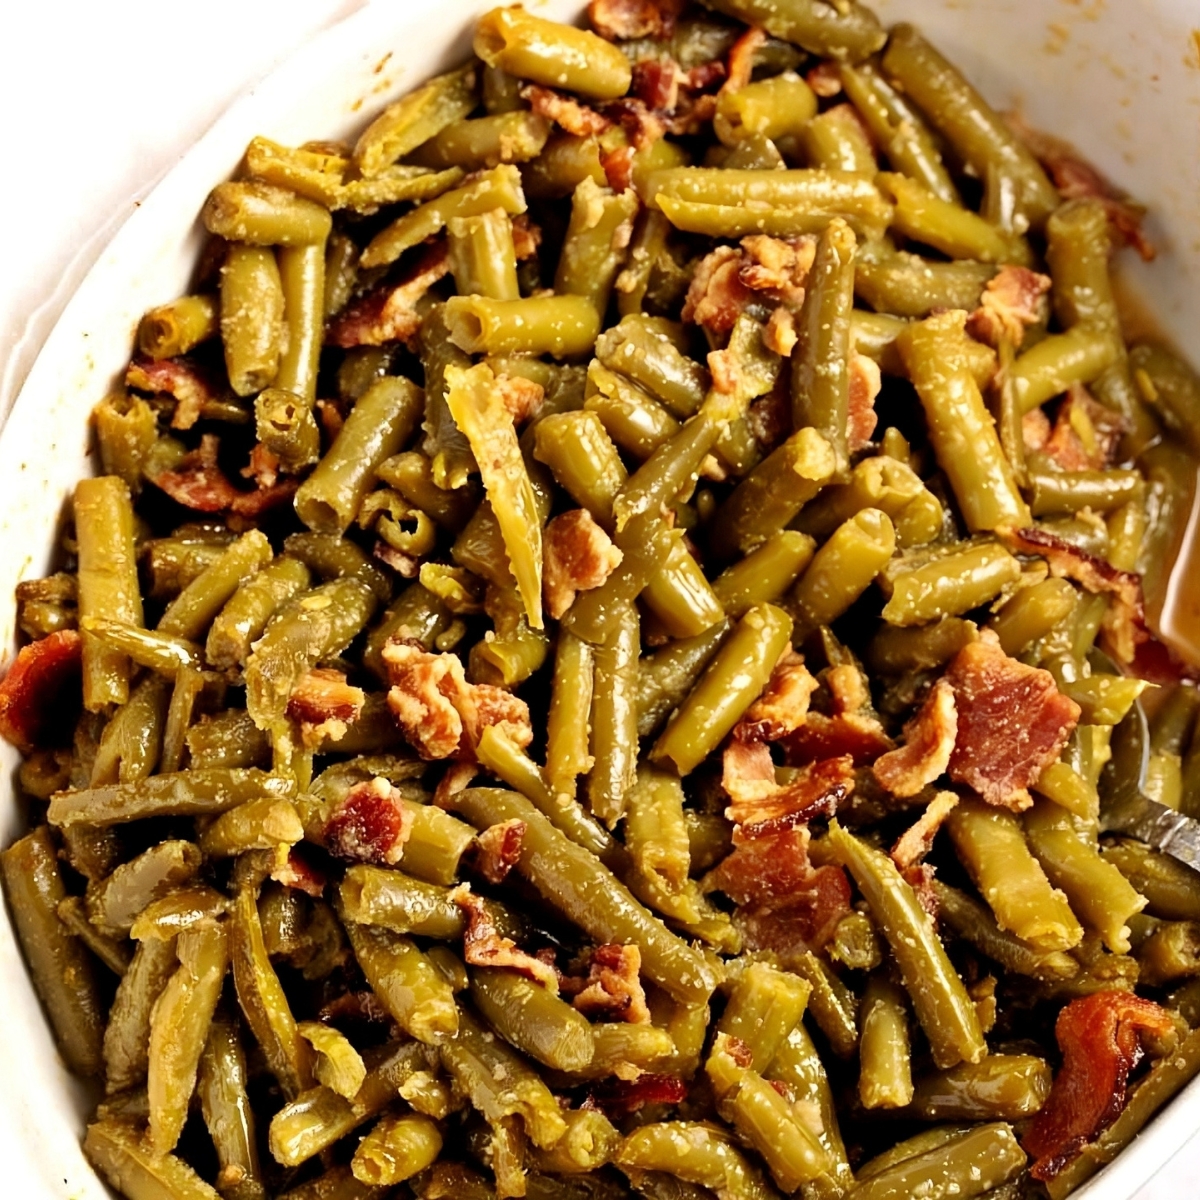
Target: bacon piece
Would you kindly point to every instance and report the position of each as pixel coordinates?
(485, 946)
(297, 872)
(177, 377)
(716, 296)
(928, 743)
(1156, 662)
(656, 83)
(1085, 434)
(1012, 722)
(389, 313)
(1101, 1038)
(741, 59)
(1014, 298)
(405, 565)
(577, 556)
(1035, 429)
(642, 125)
(858, 734)
(761, 806)
(370, 824)
(779, 266)
(617, 165)
(250, 506)
(457, 778)
(783, 704)
(564, 111)
(613, 988)
(263, 467)
(915, 842)
(40, 693)
(496, 706)
(324, 704)
(1125, 621)
(919, 877)
(522, 397)
(825, 79)
(866, 380)
(500, 849)
(331, 418)
(621, 20)
(779, 334)
(527, 236)
(198, 482)
(771, 415)
(763, 869)
(620, 1098)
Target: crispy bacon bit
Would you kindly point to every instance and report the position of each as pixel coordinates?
(825, 79)
(405, 565)
(250, 506)
(928, 744)
(324, 704)
(779, 334)
(618, 1098)
(761, 806)
(41, 691)
(331, 418)
(783, 704)
(729, 279)
(851, 728)
(1014, 298)
(177, 377)
(438, 711)
(297, 872)
(527, 236)
(263, 467)
(778, 265)
(783, 903)
(577, 556)
(1076, 179)
(642, 125)
(370, 824)
(485, 946)
(457, 778)
(613, 989)
(919, 877)
(1012, 722)
(522, 397)
(741, 59)
(1101, 1038)
(866, 380)
(500, 849)
(617, 165)
(656, 83)
(1085, 434)
(716, 296)
(198, 482)
(771, 415)
(564, 111)
(1035, 429)
(915, 842)
(1125, 621)
(620, 20)
(1156, 662)
(389, 313)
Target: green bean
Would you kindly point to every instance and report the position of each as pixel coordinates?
(178, 1025)
(767, 499)
(245, 614)
(1069, 790)
(939, 998)
(1172, 890)
(589, 1144)
(879, 482)
(417, 614)
(763, 1009)
(396, 1149)
(116, 1148)
(1171, 479)
(1104, 699)
(732, 682)
(114, 903)
(1056, 491)
(58, 962)
(302, 274)
(131, 744)
(895, 650)
(695, 1152)
(513, 136)
(970, 1162)
(551, 54)
(411, 474)
(1172, 389)
(568, 728)
(114, 954)
(834, 1007)
(842, 570)
(197, 606)
(836, 141)
(1032, 613)
(499, 187)
(633, 419)
(558, 325)
(259, 214)
(172, 563)
(125, 430)
(483, 259)
(599, 230)
(656, 837)
(962, 432)
(147, 648)
(285, 425)
(575, 882)
(852, 33)
(375, 896)
(905, 285)
(531, 1018)
(583, 460)
(1078, 245)
(256, 825)
(338, 1183)
(1003, 1087)
(885, 1077)
(341, 273)
(127, 1035)
(666, 677)
(251, 317)
(174, 328)
(780, 106)
(1049, 368)
(946, 584)
(614, 744)
(1169, 954)
(108, 587)
(564, 163)
(647, 351)
(221, 1086)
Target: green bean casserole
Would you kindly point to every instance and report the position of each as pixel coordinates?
(594, 658)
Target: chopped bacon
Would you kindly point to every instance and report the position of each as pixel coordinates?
(1085, 434)
(1155, 662)
(263, 467)
(41, 691)
(1101, 1039)
(866, 380)
(485, 946)
(198, 482)
(761, 806)
(248, 507)
(825, 79)
(331, 418)
(915, 842)
(1035, 429)
(522, 397)
(778, 265)
(438, 711)
(613, 988)
(389, 313)
(371, 824)
(704, 75)
(771, 415)
(928, 743)
(729, 279)
(642, 125)
(783, 704)
(763, 869)
(297, 872)
(1012, 722)
(177, 377)
(405, 565)
(858, 734)
(500, 849)
(621, 20)
(779, 334)
(919, 877)
(565, 111)
(527, 236)
(656, 83)
(617, 165)
(618, 1098)
(741, 59)
(324, 704)
(716, 296)
(457, 778)
(577, 556)
(1077, 179)
(1014, 298)
(1125, 621)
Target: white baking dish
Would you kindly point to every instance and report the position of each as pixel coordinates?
(1121, 81)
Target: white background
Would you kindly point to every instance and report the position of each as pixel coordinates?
(98, 98)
